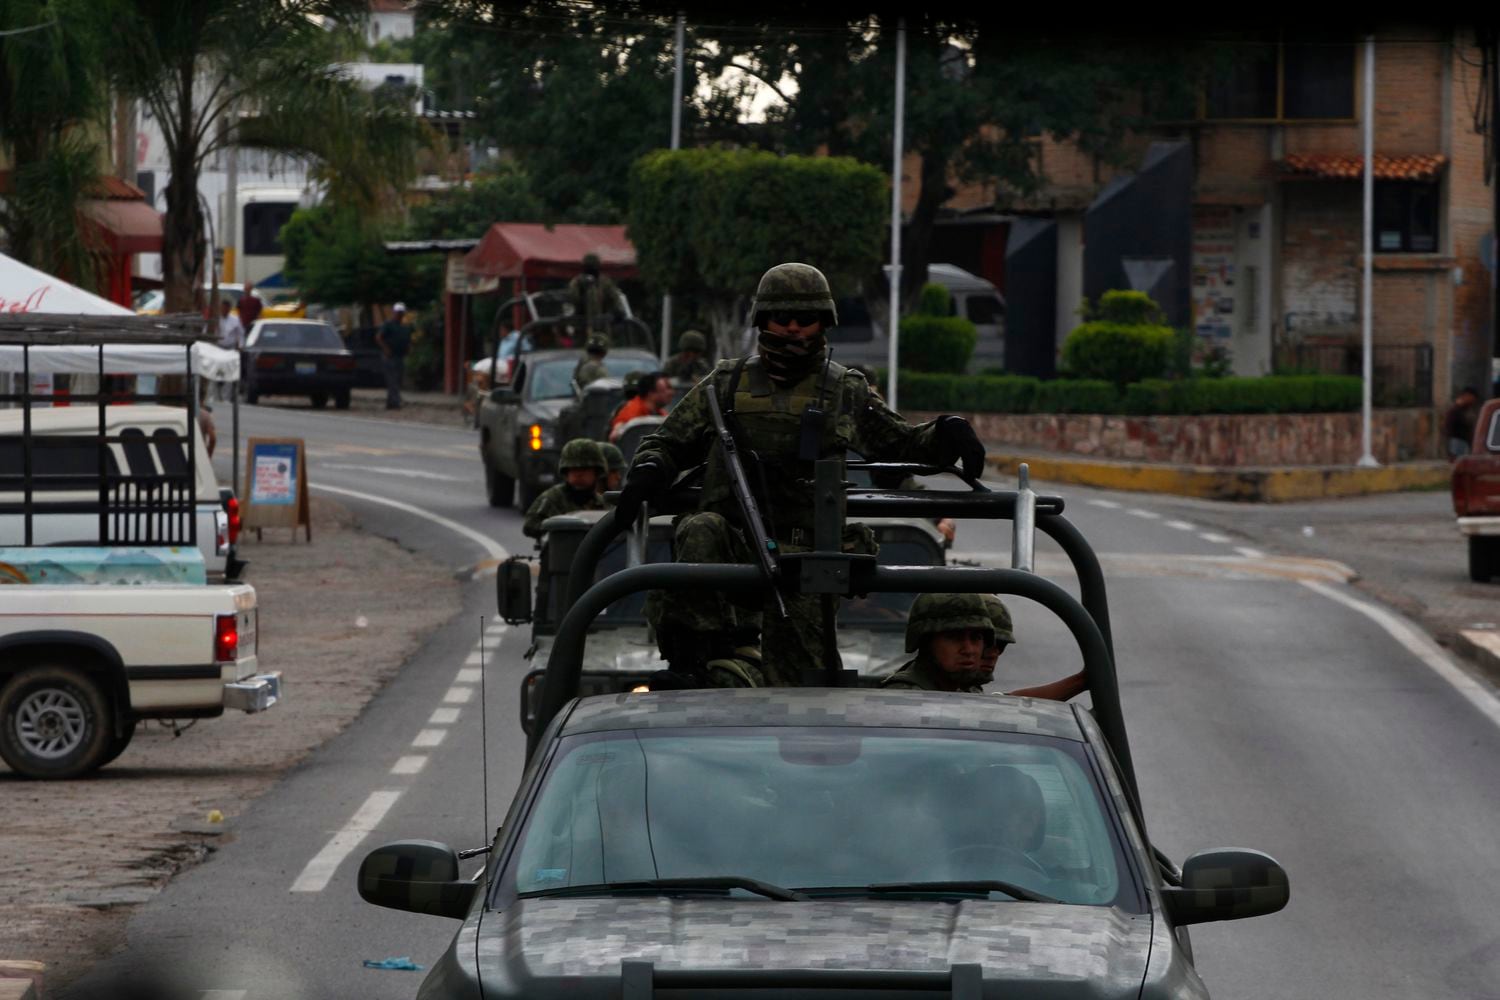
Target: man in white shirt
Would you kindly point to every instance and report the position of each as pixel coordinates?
(231, 337)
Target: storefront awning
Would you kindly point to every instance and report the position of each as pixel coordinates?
(531, 250)
(1342, 167)
(128, 226)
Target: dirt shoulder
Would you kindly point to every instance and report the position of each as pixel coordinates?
(76, 856)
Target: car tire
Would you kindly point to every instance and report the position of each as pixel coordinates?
(341, 399)
(1484, 558)
(117, 744)
(498, 487)
(319, 400)
(55, 722)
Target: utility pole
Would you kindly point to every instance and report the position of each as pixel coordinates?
(230, 223)
(1367, 457)
(893, 330)
(666, 300)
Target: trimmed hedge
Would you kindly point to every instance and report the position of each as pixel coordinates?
(932, 338)
(1024, 394)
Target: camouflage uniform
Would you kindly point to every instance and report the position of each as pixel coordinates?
(932, 613)
(595, 297)
(680, 367)
(590, 367)
(580, 453)
(769, 413)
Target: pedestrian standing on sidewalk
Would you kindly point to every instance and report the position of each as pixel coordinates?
(249, 306)
(231, 338)
(394, 339)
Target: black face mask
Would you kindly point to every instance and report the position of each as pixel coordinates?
(579, 496)
(791, 359)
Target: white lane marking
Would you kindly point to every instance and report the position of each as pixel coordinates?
(443, 716)
(1250, 553)
(475, 660)
(429, 738)
(1423, 648)
(458, 695)
(1107, 504)
(1180, 525)
(1149, 515)
(320, 869)
(224, 994)
(497, 629)
(387, 470)
(1215, 537)
(491, 547)
(468, 675)
(412, 764)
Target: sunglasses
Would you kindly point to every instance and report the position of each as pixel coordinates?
(786, 317)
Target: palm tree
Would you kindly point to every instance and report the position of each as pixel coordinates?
(257, 73)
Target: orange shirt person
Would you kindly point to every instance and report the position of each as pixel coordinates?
(653, 395)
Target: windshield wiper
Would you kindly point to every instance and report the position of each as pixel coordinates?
(754, 885)
(982, 885)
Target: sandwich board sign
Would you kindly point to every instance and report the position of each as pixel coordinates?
(276, 474)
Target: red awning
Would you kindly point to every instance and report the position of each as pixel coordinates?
(1341, 167)
(531, 250)
(128, 226)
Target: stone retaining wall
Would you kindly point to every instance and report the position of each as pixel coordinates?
(1258, 439)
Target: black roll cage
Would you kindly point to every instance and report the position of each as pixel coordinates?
(828, 570)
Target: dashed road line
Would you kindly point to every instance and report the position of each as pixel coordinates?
(458, 695)
(1106, 504)
(1215, 537)
(429, 737)
(1419, 645)
(317, 873)
(224, 994)
(443, 717)
(1250, 553)
(467, 675)
(1149, 515)
(411, 764)
(1180, 525)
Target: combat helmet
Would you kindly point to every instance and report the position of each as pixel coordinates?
(582, 453)
(692, 340)
(614, 456)
(597, 342)
(591, 262)
(1005, 630)
(794, 286)
(942, 613)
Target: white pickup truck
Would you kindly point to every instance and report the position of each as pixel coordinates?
(83, 661)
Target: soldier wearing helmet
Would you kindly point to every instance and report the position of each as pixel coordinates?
(950, 634)
(688, 363)
(789, 405)
(616, 459)
(591, 365)
(596, 299)
(583, 467)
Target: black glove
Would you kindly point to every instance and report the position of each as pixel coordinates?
(643, 483)
(958, 440)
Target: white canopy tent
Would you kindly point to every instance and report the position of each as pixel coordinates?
(24, 289)
(208, 361)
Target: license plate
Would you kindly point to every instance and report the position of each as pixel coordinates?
(307, 368)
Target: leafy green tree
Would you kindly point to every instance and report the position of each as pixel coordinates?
(709, 222)
(220, 72)
(53, 103)
(336, 254)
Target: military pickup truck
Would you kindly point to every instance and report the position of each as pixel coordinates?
(1476, 495)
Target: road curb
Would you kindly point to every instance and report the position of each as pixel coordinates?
(1255, 484)
(1482, 646)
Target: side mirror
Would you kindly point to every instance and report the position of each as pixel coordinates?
(1228, 883)
(419, 876)
(513, 591)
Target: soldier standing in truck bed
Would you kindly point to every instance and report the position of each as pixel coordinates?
(787, 405)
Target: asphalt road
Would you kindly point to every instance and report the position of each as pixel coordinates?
(1270, 705)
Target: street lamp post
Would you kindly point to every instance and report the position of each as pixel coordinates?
(1367, 456)
(666, 300)
(893, 330)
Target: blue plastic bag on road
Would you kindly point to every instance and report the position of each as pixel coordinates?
(403, 963)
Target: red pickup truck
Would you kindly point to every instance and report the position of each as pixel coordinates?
(1476, 495)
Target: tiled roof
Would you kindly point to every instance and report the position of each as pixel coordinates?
(1341, 167)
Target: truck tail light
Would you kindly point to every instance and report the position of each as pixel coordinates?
(226, 639)
(268, 361)
(232, 508)
(536, 437)
(341, 364)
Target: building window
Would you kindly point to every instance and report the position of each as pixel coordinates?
(262, 226)
(1406, 217)
(1307, 79)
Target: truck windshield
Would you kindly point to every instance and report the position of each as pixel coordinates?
(832, 809)
(554, 379)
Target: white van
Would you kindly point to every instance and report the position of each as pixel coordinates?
(149, 443)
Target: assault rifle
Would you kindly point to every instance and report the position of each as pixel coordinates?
(766, 550)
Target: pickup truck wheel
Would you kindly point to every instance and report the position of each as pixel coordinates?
(117, 744)
(498, 487)
(54, 723)
(341, 399)
(1484, 558)
(319, 400)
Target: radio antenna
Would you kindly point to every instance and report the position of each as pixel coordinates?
(484, 737)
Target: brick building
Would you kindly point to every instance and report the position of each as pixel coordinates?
(1262, 193)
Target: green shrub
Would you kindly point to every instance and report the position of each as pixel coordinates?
(1077, 396)
(977, 393)
(1266, 394)
(934, 341)
(1123, 340)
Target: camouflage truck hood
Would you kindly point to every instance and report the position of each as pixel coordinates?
(574, 947)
